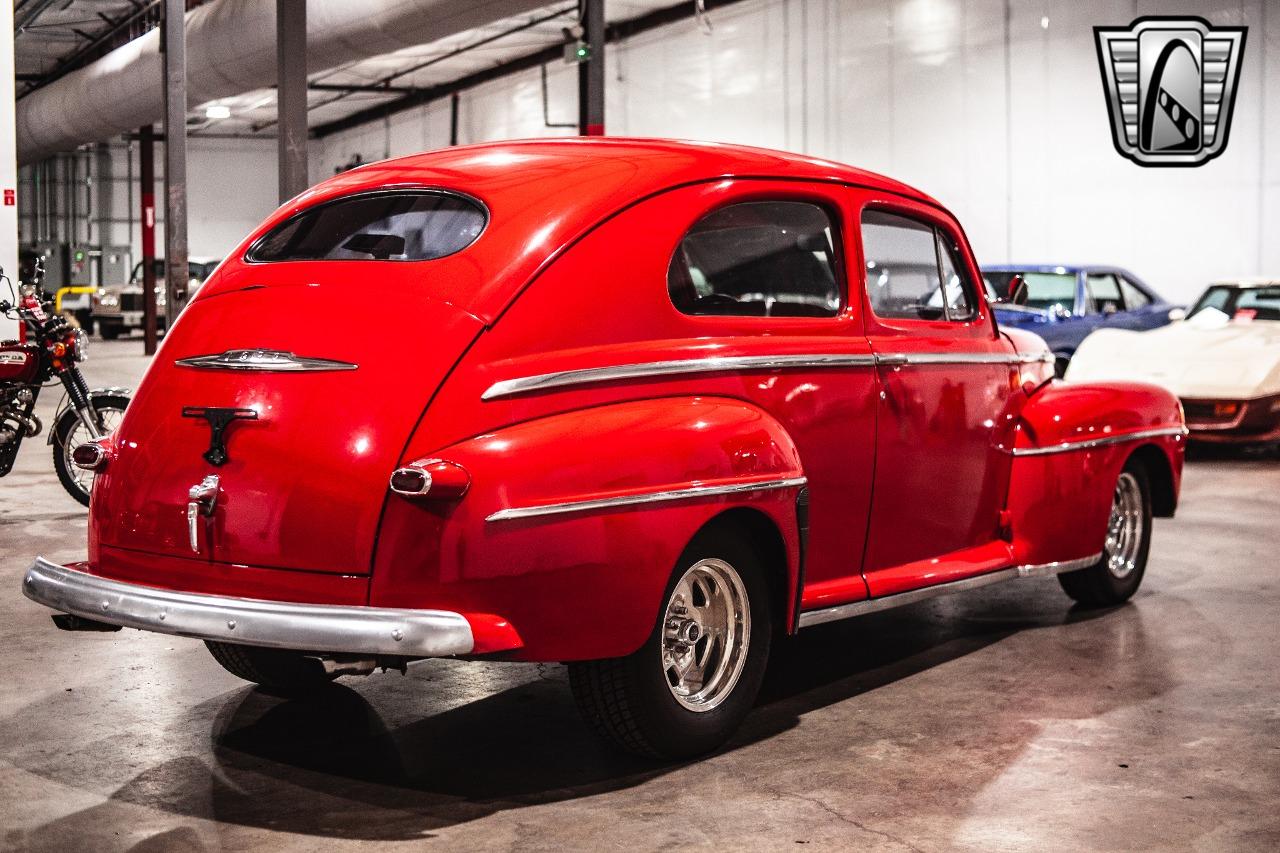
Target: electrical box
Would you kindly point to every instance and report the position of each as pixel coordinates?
(55, 265)
(116, 266)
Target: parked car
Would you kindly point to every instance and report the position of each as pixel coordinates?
(1065, 304)
(118, 309)
(639, 409)
(1223, 361)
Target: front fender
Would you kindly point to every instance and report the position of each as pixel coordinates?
(1070, 445)
(573, 523)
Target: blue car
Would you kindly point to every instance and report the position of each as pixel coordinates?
(1065, 303)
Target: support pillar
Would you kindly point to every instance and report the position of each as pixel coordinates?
(147, 192)
(591, 72)
(291, 96)
(176, 273)
(8, 166)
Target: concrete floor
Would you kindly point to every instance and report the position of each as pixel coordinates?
(995, 720)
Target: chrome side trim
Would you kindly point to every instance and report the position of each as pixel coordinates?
(896, 359)
(714, 364)
(1090, 443)
(249, 621)
(875, 605)
(726, 364)
(644, 498)
(264, 360)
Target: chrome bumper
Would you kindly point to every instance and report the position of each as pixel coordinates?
(249, 621)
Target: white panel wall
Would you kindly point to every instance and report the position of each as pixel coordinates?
(995, 108)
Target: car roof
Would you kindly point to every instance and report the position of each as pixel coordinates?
(1053, 268)
(548, 193)
(1247, 281)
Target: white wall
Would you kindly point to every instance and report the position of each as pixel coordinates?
(231, 187)
(1016, 141)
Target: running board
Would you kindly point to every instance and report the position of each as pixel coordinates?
(875, 605)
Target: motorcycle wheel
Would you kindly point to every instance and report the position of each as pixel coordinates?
(70, 432)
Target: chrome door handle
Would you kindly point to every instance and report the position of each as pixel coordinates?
(201, 499)
(896, 360)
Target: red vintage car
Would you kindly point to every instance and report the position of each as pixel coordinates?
(643, 407)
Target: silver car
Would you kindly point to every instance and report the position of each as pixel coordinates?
(117, 309)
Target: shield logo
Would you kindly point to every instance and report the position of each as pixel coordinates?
(1170, 85)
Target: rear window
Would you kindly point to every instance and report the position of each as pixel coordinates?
(758, 259)
(388, 226)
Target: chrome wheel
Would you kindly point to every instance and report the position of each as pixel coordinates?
(1125, 527)
(705, 633)
(78, 435)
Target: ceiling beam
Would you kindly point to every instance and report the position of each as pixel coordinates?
(418, 97)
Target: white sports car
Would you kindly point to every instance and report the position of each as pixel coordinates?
(1223, 361)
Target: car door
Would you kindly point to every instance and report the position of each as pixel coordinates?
(1141, 311)
(946, 387)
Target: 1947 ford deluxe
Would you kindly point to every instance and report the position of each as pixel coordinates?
(648, 406)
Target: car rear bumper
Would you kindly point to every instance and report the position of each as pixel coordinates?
(250, 621)
(1233, 421)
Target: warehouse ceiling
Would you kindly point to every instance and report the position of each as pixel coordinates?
(53, 37)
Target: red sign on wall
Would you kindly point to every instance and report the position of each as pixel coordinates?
(10, 198)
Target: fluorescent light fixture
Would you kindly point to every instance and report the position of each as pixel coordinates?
(217, 111)
(1044, 22)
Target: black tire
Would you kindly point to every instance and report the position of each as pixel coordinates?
(63, 428)
(629, 700)
(1100, 585)
(279, 670)
(109, 331)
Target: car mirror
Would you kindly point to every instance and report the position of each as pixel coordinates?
(1059, 312)
(1017, 290)
(1177, 315)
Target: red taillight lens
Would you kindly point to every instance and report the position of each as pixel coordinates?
(431, 478)
(90, 456)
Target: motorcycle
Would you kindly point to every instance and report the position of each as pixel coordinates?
(50, 348)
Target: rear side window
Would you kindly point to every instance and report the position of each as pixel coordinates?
(914, 270)
(758, 259)
(1105, 293)
(386, 226)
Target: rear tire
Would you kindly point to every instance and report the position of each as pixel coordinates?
(69, 431)
(1118, 574)
(279, 670)
(716, 609)
(109, 331)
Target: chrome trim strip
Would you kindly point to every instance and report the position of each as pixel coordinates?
(1090, 443)
(896, 359)
(644, 498)
(714, 364)
(250, 621)
(725, 364)
(262, 360)
(875, 605)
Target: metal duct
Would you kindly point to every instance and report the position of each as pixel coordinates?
(231, 49)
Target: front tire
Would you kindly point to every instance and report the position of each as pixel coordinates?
(280, 671)
(1118, 574)
(688, 688)
(70, 432)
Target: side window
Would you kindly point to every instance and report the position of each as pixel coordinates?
(1133, 297)
(913, 270)
(758, 259)
(1104, 293)
(956, 286)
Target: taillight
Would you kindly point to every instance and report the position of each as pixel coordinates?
(91, 456)
(431, 478)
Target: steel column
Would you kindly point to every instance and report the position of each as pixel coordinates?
(147, 192)
(174, 42)
(591, 72)
(291, 96)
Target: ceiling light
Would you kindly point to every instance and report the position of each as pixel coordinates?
(217, 111)
(1044, 22)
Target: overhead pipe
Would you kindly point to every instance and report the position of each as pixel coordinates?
(231, 49)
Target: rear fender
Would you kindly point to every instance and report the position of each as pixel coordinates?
(570, 529)
(1070, 446)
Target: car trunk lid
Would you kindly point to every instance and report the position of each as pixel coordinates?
(308, 458)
